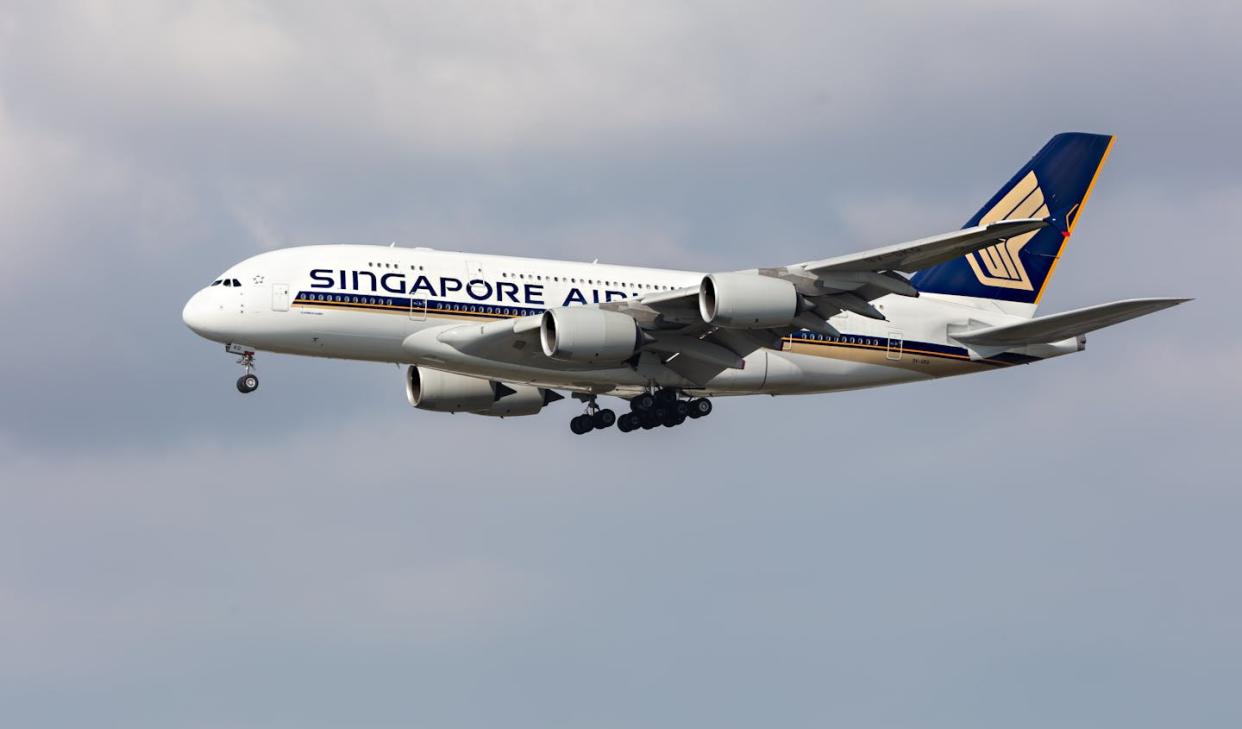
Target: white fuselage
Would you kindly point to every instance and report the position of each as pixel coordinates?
(386, 303)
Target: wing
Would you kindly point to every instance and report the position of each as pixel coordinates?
(676, 334)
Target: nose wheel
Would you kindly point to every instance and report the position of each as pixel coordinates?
(248, 382)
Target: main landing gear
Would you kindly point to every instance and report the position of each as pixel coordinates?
(663, 408)
(248, 382)
(594, 418)
(647, 411)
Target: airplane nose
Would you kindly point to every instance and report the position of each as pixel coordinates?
(197, 315)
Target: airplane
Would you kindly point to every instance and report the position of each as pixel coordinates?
(505, 336)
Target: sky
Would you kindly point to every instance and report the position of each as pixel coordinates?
(1052, 545)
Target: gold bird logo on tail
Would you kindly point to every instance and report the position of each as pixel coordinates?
(1000, 265)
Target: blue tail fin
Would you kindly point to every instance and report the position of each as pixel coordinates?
(1054, 184)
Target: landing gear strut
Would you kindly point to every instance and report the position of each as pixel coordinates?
(662, 408)
(594, 418)
(248, 382)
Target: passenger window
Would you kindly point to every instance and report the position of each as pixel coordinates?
(217, 282)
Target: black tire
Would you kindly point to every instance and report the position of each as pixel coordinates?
(627, 422)
(247, 383)
(700, 407)
(647, 421)
(681, 408)
(642, 403)
(603, 419)
(581, 424)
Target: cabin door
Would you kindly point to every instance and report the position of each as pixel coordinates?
(894, 345)
(280, 297)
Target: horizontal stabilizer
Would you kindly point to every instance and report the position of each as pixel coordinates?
(1056, 327)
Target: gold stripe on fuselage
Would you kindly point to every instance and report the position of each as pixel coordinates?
(938, 364)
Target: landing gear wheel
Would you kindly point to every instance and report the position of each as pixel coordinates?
(247, 382)
(628, 422)
(603, 419)
(681, 409)
(642, 403)
(700, 407)
(581, 424)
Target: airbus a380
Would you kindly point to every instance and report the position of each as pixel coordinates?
(500, 336)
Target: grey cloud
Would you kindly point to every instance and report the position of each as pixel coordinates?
(1043, 545)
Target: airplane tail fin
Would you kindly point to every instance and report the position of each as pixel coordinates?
(1055, 184)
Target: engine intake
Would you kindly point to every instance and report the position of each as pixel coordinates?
(747, 301)
(588, 336)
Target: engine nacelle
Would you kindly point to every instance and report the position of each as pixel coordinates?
(518, 400)
(446, 392)
(588, 336)
(747, 301)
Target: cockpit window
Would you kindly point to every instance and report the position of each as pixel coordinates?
(228, 282)
(217, 282)
(236, 282)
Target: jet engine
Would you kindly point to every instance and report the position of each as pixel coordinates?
(747, 301)
(589, 336)
(447, 392)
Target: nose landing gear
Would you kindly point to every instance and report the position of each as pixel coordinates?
(248, 382)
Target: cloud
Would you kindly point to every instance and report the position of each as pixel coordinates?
(1051, 538)
(230, 538)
